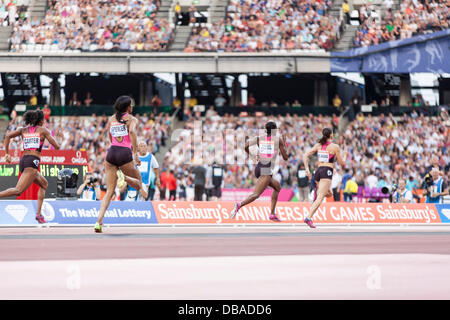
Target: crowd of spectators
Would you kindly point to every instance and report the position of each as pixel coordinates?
(379, 150)
(12, 11)
(413, 18)
(253, 26)
(96, 25)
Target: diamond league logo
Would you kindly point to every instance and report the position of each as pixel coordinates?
(47, 211)
(17, 211)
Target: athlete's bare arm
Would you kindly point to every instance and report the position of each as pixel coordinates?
(108, 128)
(132, 126)
(50, 138)
(337, 151)
(8, 138)
(306, 158)
(249, 143)
(283, 148)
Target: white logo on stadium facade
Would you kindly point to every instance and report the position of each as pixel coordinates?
(17, 211)
(47, 211)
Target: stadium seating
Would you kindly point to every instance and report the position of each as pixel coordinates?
(412, 18)
(94, 25)
(268, 26)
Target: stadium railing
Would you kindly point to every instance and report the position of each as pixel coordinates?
(325, 110)
(98, 110)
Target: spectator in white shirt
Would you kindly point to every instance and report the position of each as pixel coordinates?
(388, 4)
(372, 180)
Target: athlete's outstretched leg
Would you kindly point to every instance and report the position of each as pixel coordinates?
(133, 178)
(276, 191)
(26, 179)
(43, 185)
(261, 184)
(111, 181)
(322, 191)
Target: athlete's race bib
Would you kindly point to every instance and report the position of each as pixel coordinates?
(31, 140)
(323, 156)
(118, 130)
(266, 149)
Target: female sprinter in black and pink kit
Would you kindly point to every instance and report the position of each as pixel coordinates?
(33, 137)
(122, 133)
(269, 145)
(327, 153)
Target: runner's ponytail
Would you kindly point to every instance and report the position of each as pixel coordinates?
(121, 107)
(326, 134)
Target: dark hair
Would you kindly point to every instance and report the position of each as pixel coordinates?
(270, 126)
(33, 117)
(121, 106)
(326, 134)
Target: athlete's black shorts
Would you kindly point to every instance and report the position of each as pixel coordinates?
(118, 156)
(323, 173)
(29, 161)
(263, 169)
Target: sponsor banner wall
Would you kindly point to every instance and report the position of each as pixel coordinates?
(242, 194)
(170, 212)
(22, 212)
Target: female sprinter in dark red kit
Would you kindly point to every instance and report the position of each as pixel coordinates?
(33, 136)
(122, 128)
(269, 145)
(327, 153)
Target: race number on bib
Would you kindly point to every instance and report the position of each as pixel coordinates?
(31, 140)
(323, 156)
(118, 130)
(143, 167)
(266, 149)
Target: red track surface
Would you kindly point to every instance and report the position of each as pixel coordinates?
(343, 257)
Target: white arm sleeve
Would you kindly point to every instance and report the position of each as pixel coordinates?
(154, 163)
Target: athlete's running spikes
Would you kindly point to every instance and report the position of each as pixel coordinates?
(274, 217)
(235, 210)
(309, 223)
(98, 228)
(40, 218)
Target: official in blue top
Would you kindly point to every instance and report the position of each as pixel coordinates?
(438, 190)
(149, 170)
